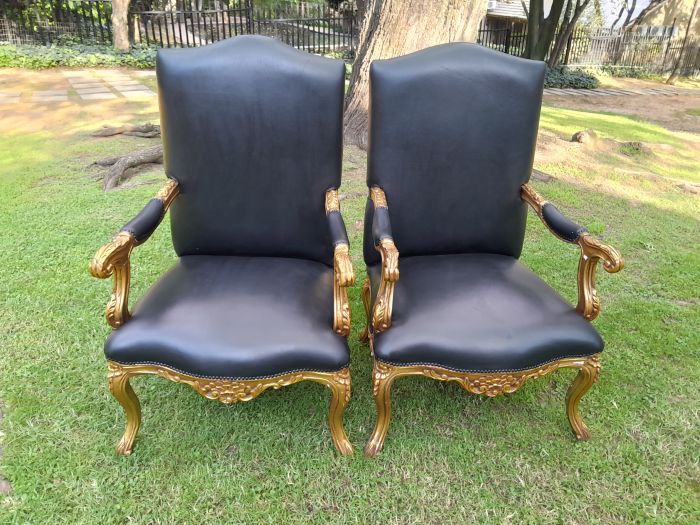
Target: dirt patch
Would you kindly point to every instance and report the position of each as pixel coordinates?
(670, 112)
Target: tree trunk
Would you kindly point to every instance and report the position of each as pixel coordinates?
(391, 28)
(120, 24)
(565, 30)
(540, 30)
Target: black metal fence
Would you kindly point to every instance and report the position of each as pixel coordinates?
(56, 21)
(313, 27)
(316, 27)
(608, 47)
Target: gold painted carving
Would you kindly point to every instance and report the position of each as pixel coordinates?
(592, 251)
(227, 391)
(343, 277)
(490, 384)
(112, 259)
(384, 303)
(168, 193)
(366, 302)
(332, 201)
(378, 197)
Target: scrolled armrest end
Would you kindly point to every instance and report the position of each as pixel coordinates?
(342, 266)
(591, 247)
(112, 254)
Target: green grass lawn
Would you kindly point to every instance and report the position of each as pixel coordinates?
(450, 457)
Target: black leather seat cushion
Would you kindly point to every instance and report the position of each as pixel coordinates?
(235, 317)
(479, 312)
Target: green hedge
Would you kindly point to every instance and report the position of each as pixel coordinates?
(624, 72)
(41, 57)
(565, 77)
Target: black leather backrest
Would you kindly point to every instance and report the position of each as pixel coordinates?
(252, 131)
(452, 138)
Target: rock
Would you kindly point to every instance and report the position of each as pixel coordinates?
(5, 487)
(690, 188)
(541, 176)
(586, 136)
(635, 149)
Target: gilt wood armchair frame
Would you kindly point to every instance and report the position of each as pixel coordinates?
(113, 259)
(490, 384)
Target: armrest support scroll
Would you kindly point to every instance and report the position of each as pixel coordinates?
(113, 259)
(384, 244)
(343, 273)
(592, 250)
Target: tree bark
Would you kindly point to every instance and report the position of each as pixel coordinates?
(391, 28)
(120, 24)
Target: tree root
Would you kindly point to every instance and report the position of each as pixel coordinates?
(148, 131)
(120, 166)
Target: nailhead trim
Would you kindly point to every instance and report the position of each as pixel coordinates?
(484, 371)
(230, 378)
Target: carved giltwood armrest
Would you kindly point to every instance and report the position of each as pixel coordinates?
(592, 250)
(384, 244)
(113, 258)
(343, 274)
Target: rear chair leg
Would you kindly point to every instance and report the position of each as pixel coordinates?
(364, 335)
(121, 389)
(587, 375)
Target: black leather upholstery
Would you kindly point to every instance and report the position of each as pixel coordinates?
(381, 225)
(564, 228)
(336, 225)
(252, 131)
(479, 312)
(145, 223)
(235, 317)
(452, 136)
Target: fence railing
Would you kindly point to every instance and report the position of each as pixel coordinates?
(185, 23)
(311, 26)
(608, 47)
(57, 21)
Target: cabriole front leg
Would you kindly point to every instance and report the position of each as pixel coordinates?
(586, 377)
(121, 389)
(383, 377)
(339, 384)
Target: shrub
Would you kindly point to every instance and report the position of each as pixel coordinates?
(624, 72)
(41, 57)
(570, 78)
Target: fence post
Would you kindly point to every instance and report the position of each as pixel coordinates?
(249, 17)
(507, 49)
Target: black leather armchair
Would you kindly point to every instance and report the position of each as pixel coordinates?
(252, 133)
(452, 138)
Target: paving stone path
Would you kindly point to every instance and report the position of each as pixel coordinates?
(96, 84)
(619, 92)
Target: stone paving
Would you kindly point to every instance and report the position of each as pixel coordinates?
(87, 85)
(619, 92)
(110, 84)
